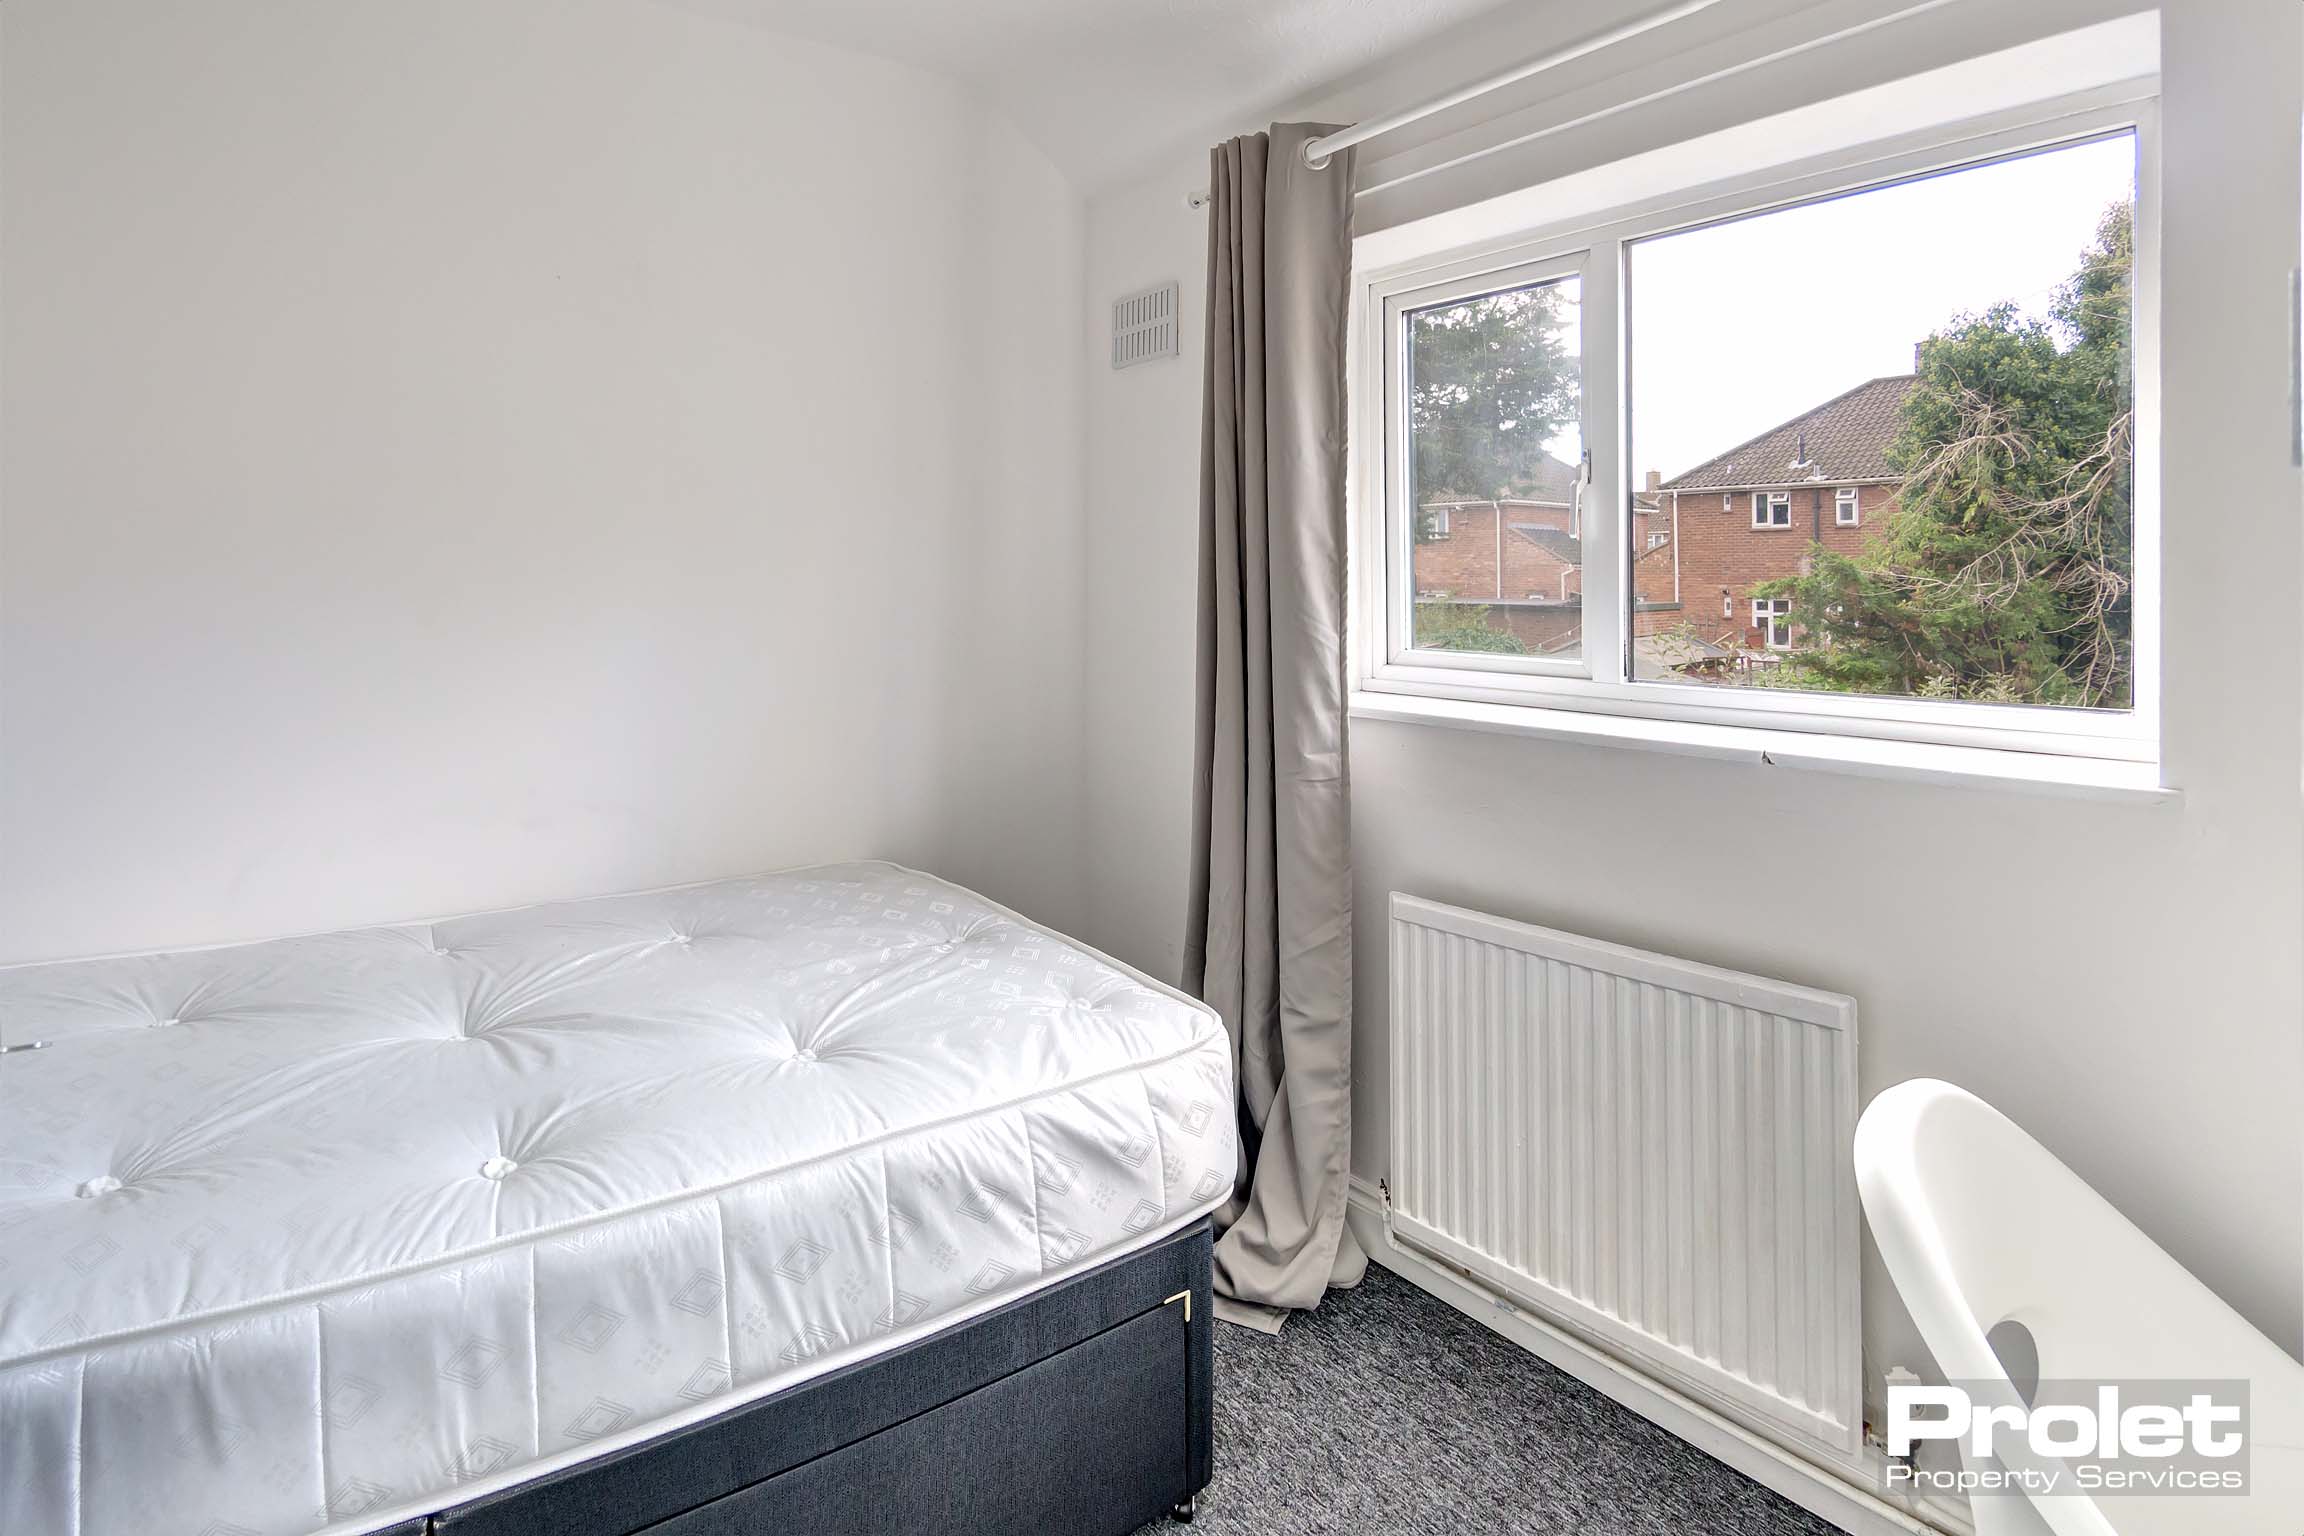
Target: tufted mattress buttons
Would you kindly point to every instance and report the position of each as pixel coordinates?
(710, 1230)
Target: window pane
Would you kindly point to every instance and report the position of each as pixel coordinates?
(1958, 350)
(1496, 404)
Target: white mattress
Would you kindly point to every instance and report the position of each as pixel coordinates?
(325, 1232)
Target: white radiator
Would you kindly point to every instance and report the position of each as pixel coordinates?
(1651, 1152)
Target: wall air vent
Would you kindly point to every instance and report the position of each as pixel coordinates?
(1144, 326)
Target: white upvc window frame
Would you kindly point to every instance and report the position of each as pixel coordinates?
(1765, 506)
(1772, 616)
(1396, 504)
(1847, 507)
(1598, 680)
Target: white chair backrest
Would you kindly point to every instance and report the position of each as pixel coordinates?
(1979, 1225)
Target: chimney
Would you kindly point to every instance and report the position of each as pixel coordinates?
(1916, 357)
(1655, 481)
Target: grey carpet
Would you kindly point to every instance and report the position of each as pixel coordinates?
(1388, 1411)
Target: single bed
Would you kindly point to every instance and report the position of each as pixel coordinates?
(731, 1207)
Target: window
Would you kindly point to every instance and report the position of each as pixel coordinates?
(1436, 522)
(1771, 616)
(1584, 366)
(1492, 377)
(1988, 383)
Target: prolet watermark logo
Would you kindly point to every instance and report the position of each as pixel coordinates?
(2087, 1437)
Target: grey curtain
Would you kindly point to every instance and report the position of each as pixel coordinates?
(1270, 938)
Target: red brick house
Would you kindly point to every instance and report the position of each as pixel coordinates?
(1521, 556)
(1750, 515)
(1700, 541)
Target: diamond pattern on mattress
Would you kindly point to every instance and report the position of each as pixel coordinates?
(316, 1233)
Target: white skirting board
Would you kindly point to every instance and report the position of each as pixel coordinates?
(1827, 1494)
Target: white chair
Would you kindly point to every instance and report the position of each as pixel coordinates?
(1979, 1224)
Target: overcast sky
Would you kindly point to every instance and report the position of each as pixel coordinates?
(1737, 327)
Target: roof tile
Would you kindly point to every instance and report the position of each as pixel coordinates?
(1848, 437)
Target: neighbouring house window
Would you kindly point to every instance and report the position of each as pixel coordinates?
(1436, 522)
(1772, 617)
(1896, 371)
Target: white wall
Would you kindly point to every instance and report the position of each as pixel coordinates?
(1143, 561)
(2124, 979)
(456, 454)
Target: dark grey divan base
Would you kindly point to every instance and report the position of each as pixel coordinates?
(1081, 1410)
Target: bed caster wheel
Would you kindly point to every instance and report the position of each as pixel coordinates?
(1183, 1511)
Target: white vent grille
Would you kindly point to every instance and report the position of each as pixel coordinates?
(1654, 1152)
(1144, 326)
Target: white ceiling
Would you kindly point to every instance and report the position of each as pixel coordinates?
(1105, 86)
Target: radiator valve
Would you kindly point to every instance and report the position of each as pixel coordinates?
(1899, 1378)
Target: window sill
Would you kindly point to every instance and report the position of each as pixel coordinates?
(1991, 768)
